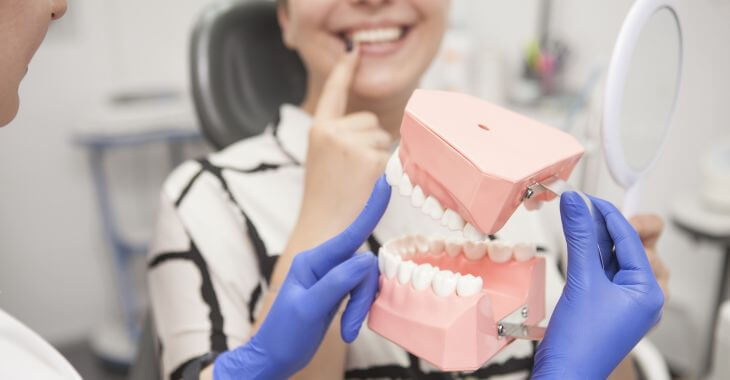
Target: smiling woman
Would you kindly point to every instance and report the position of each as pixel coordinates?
(283, 187)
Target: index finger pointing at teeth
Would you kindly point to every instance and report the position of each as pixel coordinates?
(333, 100)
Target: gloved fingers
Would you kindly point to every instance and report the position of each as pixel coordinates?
(629, 249)
(580, 234)
(361, 298)
(605, 243)
(328, 292)
(341, 247)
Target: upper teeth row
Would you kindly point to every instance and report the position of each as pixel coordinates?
(376, 35)
(393, 262)
(396, 177)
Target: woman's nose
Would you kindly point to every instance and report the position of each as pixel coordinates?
(58, 9)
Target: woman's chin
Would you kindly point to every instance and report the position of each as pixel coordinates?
(382, 90)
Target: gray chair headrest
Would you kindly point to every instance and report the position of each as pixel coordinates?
(241, 71)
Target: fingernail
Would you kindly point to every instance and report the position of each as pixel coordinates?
(348, 45)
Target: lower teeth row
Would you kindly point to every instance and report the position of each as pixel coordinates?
(393, 262)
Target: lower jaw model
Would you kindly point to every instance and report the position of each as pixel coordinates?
(448, 301)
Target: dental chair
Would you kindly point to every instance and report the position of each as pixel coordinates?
(241, 72)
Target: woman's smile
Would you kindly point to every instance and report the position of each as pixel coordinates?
(377, 39)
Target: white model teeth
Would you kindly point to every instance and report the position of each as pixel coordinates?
(405, 271)
(422, 244)
(409, 247)
(475, 250)
(469, 285)
(524, 251)
(433, 208)
(391, 265)
(382, 253)
(453, 246)
(436, 246)
(417, 197)
(397, 177)
(405, 186)
(422, 276)
(398, 261)
(472, 233)
(379, 35)
(500, 252)
(452, 220)
(394, 169)
(444, 283)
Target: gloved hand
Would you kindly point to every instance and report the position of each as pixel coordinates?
(309, 298)
(601, 314)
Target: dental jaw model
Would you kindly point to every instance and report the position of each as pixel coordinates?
(469, 164)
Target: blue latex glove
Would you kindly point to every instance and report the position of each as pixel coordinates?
(309, 298)
(601, 314)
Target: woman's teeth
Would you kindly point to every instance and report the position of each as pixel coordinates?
(395, 262)
(373, 36)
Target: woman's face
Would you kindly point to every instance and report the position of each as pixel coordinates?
(23, 24)
(398, 39)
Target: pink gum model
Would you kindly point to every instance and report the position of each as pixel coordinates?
(468, 163)
(478, 159)
(459, 333)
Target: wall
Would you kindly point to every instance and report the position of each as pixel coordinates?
(55, 267)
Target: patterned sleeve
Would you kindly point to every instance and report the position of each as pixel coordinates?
(202, 271)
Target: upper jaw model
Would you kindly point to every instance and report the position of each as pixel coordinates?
(468, 164)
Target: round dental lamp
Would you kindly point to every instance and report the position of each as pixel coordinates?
(641, 93)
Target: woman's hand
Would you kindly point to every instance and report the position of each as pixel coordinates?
(346, 155)
(309, 298)
(650, 227)
(602, 313)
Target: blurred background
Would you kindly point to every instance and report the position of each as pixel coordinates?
(107, 113)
